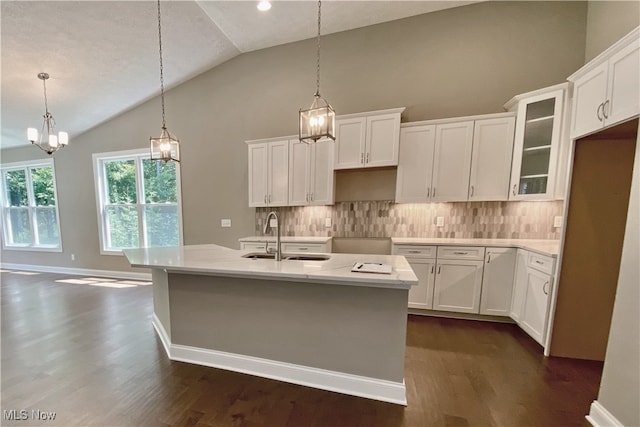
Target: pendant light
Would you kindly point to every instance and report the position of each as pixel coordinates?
(319, 120)
(47, 141)
(166, 147)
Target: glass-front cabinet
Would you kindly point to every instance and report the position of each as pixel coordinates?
(538, 158)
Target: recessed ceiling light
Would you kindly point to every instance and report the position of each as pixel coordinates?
(264, 6)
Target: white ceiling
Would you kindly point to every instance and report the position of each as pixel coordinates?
(102, 56)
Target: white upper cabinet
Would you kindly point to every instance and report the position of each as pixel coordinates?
(367, 139)
(491, 159)
(540, 141)
(606, 90)
(452, 162)
(310, 173)
(413, 179)
(268, 173)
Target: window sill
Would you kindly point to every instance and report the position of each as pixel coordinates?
(28, 248)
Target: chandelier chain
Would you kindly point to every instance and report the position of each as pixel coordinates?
(46, 106)
(161, 66)
(318, 53)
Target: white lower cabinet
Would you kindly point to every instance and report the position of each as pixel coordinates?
(497, 281)
(535, 308)
(421, 296)
(519, 285)
(457, 285)
(298, 246)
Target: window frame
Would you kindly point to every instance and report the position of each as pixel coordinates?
(102, 202)
(31, 207)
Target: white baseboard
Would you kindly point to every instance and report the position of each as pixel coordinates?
(162, 333)
(355, 385)
(78, 271)
(600, 417)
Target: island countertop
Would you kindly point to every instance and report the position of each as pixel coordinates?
(222, 261)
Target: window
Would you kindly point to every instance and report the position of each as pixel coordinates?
(138, 201)
(30, 217)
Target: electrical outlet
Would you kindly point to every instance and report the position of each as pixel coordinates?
(225, 222)
(557, 221)
(327, 222)
(273, 223)
(440, 221)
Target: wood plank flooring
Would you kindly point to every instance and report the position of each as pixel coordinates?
(88, 352)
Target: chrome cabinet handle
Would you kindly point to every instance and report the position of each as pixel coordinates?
(311, 197)
(414, 252)
(367, 161)
(362, 157)
(460, 253)
(539, 262)
(472, 190)
(604, 109)
(600, 118)
(514, 189)
(434, 192)
(439, 267)
(303, 249)
(544, 288)
(428, 192)
(432, 269)
(489, 259)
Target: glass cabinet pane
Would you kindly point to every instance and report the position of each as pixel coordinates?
(536, 153)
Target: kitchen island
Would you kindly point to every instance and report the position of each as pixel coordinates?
(313, 323)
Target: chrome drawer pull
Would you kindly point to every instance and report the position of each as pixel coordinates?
(544, 288)
(539, 262)
(303, 249)
(460, 253)
(414, 252)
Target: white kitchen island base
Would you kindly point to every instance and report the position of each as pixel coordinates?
(325, 332)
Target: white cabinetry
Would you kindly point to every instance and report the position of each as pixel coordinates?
(491, 159)
(268, 172)
(298, 246)
(497, 281)
(535, 307)
(519, 285)
(458, 280)
(606, 90)
(310, 173)
(540, 144)
(367, 139)
(455, 159)
(422, 260)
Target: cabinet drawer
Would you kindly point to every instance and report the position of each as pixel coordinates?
(415, 251)
(541, 263)
(301, 247)
(461, 252)
(255, 246)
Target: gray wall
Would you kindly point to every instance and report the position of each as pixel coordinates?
(461, 61)
(608, 22)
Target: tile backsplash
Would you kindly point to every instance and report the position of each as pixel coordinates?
(500, 220)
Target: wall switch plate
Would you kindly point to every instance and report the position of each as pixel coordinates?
(557, 221)
(327, 222)
(273, 223)
(440, 221)
(225, 222)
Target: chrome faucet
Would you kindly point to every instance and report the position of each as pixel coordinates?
(267, 228)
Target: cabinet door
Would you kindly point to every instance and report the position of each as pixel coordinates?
(413, 179)
(258, 159)
(519, 285)
(497, 281)
(457, 286)
(623, 85)
(491, 159)
(536, 305)
(452, 162)
(278, 177)
(253, 246)
(321, 187)
(589, 92)
(350, 143)
(382, 140)
(421, 295)
(299, 174)
(537, 142)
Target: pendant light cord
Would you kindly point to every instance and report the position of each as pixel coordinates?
(318, 54)
(161, 67)
(46, 106)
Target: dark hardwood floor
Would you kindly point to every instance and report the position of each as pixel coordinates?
(88, 352)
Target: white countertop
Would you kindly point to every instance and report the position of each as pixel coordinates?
(287, 239)
(544, 247)
(218, 260)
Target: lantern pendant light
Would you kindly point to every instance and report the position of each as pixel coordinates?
(47, 141)
(319, 120)
(165, 147)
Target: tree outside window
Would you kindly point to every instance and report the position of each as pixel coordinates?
(139, 201)
(30, 213)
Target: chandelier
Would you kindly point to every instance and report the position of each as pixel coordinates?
(319, 120)
(165, 147)
(47, 141)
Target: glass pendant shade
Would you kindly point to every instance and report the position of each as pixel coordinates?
(317, 122)
(166, 147)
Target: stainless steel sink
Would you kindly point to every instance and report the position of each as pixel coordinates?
(288, 257)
